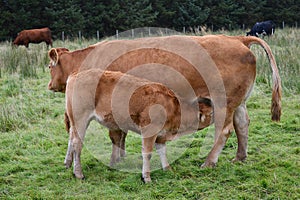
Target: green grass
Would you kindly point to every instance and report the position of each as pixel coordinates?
(33, 140)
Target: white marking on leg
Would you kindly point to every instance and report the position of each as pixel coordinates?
(162, 152)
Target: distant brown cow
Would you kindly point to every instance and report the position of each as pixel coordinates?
(34, 36)
(90, 95)
(207, 63)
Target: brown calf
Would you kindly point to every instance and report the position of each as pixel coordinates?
(154, 112)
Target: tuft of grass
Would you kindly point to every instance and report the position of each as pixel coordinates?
(22, 61)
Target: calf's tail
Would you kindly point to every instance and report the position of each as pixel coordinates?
(276, 91)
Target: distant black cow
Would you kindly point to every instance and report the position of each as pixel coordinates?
(262, 28)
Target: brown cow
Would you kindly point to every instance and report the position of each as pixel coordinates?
(90, 95)
(216, 66)
(34, 36)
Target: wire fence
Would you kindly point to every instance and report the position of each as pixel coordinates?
(156, 31)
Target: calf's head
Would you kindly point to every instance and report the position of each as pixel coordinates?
(58, 70)
(206, 111)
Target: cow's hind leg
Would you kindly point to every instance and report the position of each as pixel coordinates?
(118, 145)
(48, 42)
(122, 144)
(241, 124)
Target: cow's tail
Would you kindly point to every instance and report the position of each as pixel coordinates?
(276, 93)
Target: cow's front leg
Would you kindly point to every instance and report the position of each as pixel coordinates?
(161, 149)
(122, 145)
(219, 144)
(147, 147)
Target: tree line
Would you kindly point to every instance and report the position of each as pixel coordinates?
(107, 16)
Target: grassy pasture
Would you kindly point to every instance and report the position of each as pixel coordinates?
(33, 140)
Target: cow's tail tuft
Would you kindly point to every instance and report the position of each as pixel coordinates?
(276, 93)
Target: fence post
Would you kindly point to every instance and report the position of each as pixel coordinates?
(296, 24)
(183, 30)
(63, 36)
(79, 35)
(132, 33)
(98, 35)
(117, 34)
(149, 32)
(282, 24)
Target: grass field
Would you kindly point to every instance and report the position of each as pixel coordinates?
(33, 140)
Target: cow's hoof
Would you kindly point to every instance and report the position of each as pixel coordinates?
(208, 164)
(112, 163)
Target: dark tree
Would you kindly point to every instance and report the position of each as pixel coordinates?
(107, 16)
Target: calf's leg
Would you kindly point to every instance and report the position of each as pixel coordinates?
(241, 124)
(77, 145)
(73, 153)
(77, 132)
(70, 152)
(161, 149)
(147, 147)
(118, 142)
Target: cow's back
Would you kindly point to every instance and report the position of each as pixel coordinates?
(34, 36)
(39, 35)
(222, 59)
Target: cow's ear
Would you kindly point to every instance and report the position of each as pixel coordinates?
(61, 50)
(53, 55)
